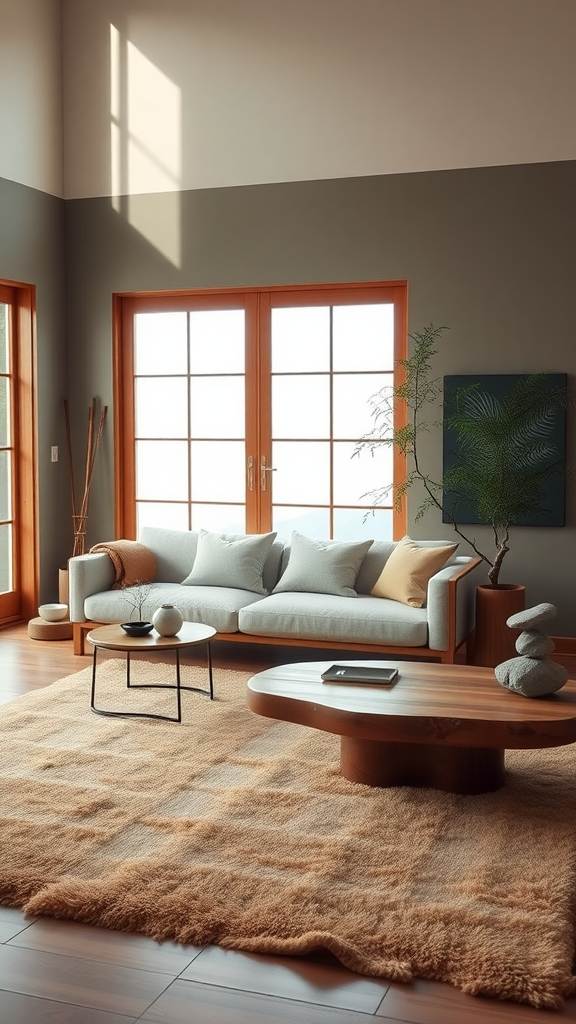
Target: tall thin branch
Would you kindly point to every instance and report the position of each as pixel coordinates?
(80, 514)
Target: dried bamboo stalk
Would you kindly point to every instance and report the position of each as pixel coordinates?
(80, 518)
(70, 459)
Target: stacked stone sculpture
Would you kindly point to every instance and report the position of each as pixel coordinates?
(532, 674)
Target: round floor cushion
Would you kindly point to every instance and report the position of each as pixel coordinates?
(40, 629)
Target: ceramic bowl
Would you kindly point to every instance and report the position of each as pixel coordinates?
(136, 628)
(53, 612)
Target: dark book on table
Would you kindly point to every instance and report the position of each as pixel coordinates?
(359, 674)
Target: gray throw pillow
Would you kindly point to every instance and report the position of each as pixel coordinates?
(224, 561)
(322, 566)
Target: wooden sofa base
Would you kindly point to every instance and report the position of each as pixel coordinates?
(81, 629)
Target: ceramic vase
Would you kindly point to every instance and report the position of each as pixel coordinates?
(167, 620)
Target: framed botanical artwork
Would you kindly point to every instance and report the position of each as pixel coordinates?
(504, 449)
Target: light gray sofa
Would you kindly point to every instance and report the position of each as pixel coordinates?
(359, 622)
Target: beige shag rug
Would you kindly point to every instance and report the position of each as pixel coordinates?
(238, 830)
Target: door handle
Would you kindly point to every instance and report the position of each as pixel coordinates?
(263, 470)
(250, 473)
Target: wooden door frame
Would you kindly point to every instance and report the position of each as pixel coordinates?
(23, 296)
(125, 304)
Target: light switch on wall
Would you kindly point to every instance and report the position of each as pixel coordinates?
(54, 453)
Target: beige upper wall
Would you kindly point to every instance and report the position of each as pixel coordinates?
(183, 94)
(31, 94)
(186, 94)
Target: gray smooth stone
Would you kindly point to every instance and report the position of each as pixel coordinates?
(531, 677)
(530, 617)
(534, 644)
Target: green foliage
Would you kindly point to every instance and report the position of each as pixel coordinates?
(504, 453)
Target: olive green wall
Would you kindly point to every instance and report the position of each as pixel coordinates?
(32, 252)
(490, 252)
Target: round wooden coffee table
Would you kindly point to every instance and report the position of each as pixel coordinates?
(443, 726)
(113, 638)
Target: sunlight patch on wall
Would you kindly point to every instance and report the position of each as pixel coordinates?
(145, 146)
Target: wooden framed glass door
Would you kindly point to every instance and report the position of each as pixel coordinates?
(18, 542)
(242, 410)
(186, 402)
(326, 353)
(8, 559)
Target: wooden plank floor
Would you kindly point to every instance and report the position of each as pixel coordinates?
(53, 970)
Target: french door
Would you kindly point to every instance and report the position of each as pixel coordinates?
(18, 549)
(242, 410)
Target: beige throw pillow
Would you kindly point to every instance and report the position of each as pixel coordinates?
(407, 571)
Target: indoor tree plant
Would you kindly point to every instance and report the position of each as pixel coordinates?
(503, 459)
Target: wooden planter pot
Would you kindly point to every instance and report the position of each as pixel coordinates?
(493, 639)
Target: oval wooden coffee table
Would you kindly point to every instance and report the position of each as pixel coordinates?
(113, 638)
(444, 726)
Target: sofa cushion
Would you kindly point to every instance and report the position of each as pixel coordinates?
(174, 551)
(368, 620)
(214, 606)
(322, 566)
(225, 561)
(407, 571)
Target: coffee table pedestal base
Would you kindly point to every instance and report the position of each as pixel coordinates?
(465, 770)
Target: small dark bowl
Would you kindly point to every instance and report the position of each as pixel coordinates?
(137, 628)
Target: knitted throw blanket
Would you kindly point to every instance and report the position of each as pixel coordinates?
(133, 562)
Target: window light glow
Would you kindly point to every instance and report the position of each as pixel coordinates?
(145, 146)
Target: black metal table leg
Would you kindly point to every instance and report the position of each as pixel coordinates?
(93, 691)
(178, 686)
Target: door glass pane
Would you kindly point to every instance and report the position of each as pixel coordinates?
(4, 348)
(355, 476)
(301, 406)
(218, 518)
(353, 345)
(189, 385)
(5, 486)
(217, 407)
(218, 471)
(302, 472)
(160, 343)
(352, 405)
(363, 337)
(170, 515)
(6, 578)
(313, 522)
(162, 470)
(217, 341)
(301, 339)
(357, 524)
(4, 411)
(161, 407)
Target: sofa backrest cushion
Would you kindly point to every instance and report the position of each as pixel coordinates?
(372, 565)
(272, 564)
(322, 566)
(175, 551)
(230, 561)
